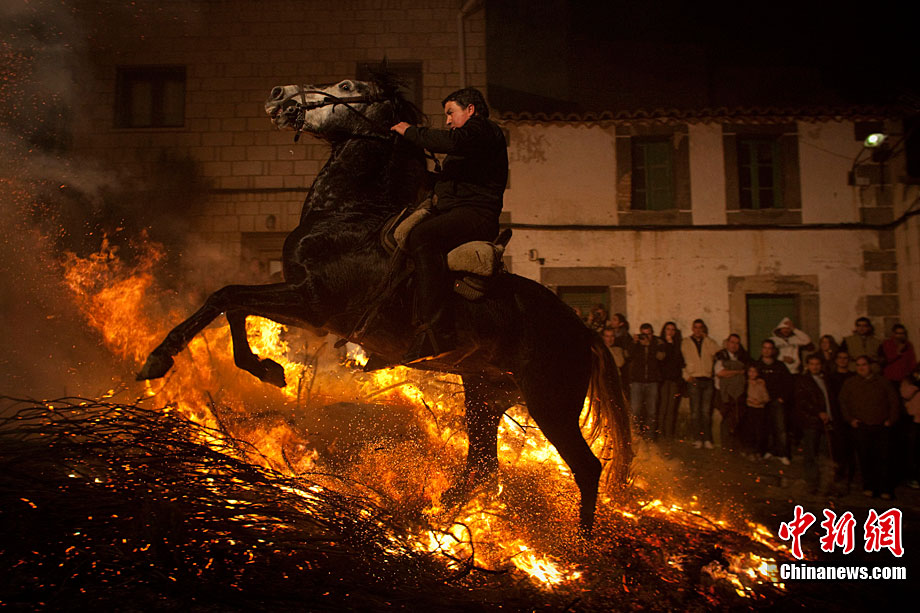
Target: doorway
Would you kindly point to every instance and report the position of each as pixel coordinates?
(764, 311)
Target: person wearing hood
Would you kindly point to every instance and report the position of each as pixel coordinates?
(789, 341)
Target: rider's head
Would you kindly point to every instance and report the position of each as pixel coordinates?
(463, 104)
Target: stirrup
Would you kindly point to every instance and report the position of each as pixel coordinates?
(427, 346)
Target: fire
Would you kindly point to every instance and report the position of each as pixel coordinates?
(483, 531)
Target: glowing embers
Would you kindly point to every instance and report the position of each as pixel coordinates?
(390, 444)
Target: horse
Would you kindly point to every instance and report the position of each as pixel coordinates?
(519, 343)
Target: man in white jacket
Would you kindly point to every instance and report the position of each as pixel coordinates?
(789, 340)
(699, 355)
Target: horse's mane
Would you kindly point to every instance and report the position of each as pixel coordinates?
(391, 87)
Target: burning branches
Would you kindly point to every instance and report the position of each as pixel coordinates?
(103, 503)
(109, 503)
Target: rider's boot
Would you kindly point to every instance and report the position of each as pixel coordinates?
(435, 336)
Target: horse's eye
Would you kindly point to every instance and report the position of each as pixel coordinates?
(345, 86)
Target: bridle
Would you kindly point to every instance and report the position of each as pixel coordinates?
(379, 130)
(327, 99)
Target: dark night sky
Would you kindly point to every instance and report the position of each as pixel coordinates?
(566, 55)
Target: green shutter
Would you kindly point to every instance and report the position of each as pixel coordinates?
(652, 175)
(759, 177)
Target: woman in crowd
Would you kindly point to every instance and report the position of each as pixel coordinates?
(827, 351)
(671, 380)
(756, 422)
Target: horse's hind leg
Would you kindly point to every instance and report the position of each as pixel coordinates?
(555, 401)
(279, 297)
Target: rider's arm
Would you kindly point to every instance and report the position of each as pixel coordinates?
(469, 138)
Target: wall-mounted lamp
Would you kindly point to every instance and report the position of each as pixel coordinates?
(533, 256)
(879, 152)
(874, 140)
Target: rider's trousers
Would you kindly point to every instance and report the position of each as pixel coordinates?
(429, 243)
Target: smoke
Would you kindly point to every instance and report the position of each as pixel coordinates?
(53, 201)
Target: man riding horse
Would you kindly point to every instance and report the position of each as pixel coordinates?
(468, 200)
(515, 343)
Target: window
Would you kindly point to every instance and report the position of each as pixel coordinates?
(652, 175)
(150, 97)
(759, 174)
(762, 184)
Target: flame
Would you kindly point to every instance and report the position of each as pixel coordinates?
(205, 386)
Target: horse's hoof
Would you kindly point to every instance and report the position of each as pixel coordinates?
(272, 372)
(455, 494)
(155, 367)
(470, 480)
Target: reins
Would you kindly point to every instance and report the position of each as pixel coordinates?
(331, 99)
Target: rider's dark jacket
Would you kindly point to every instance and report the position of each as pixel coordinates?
(475, 170)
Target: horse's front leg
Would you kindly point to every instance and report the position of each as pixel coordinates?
(281, 298)
(486, 401)
(264, 369)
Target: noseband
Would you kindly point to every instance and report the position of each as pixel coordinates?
(379, 130)
(331, 99)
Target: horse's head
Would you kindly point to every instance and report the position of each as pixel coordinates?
(349, 107)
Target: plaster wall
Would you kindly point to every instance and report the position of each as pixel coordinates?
(561, 174)
(707, 174)
(826, 153)
(682, 275)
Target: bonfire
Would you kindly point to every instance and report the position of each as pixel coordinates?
(211, 489)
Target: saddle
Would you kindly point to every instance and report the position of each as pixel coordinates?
(474, 264)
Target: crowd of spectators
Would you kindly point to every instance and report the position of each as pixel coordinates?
(849, 410)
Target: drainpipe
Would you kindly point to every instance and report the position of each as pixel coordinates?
(469, 7)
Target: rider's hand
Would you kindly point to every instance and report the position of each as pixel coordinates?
(400, 128)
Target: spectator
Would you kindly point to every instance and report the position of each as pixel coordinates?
(789, 341)
(843, 446)
(898, 355)
(910, 394)
(813, 411)
(757, 421)
(616, 353)
(621, 328)
(699, 352)
(597, 320)
(644, 357)
(871, 407)
(827, 351)
(862, 342)
(671, 380)
(779, 386)
(623, 340)
(729, 370)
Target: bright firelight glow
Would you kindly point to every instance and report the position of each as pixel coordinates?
(205, 386)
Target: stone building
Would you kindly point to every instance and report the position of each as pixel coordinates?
(737, 215)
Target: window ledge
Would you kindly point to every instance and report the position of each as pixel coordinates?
(764, 216)
(671, 217)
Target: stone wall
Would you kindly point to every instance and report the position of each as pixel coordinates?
(234, 52)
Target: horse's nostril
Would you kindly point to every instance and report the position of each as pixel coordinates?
(277, 93)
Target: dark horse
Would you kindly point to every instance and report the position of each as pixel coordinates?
(519, 342)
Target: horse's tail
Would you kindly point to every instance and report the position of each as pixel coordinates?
(608, 413)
